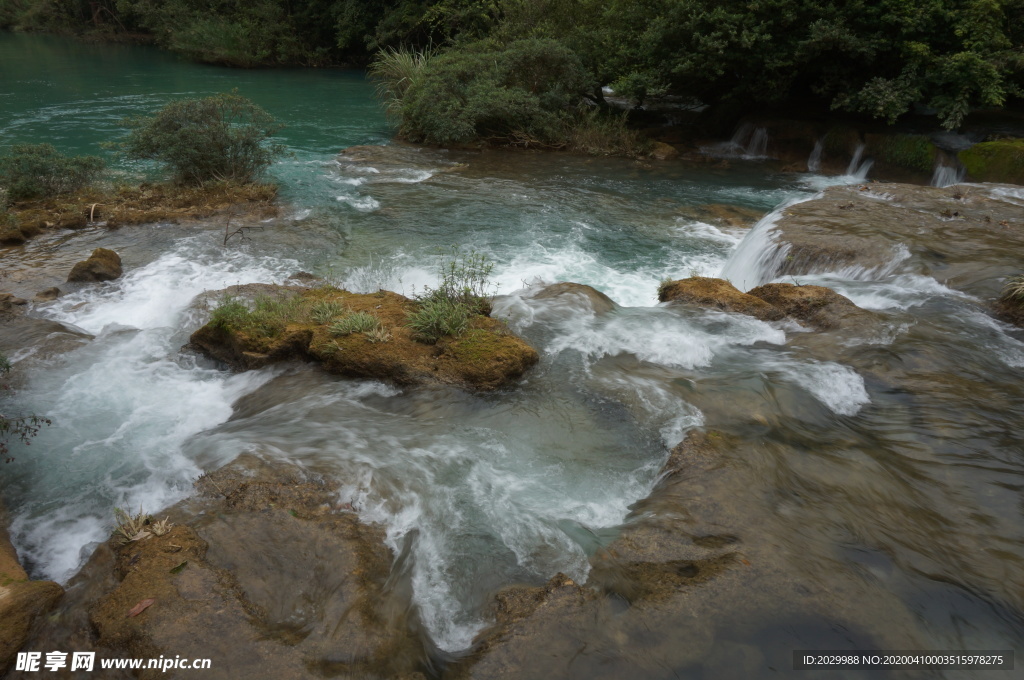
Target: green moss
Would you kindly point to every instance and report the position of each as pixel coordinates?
(914, 152)
(998, 161)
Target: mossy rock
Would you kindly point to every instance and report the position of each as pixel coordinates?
(485, 357)
(821, 307)
(103, 265)
(998, 161)
(717, 294)
(914, 152)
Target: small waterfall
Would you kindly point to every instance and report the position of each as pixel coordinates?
(814, 160)
(758, 145)
(759, 256)
(858, 168)
(947, 175)
(748, 142)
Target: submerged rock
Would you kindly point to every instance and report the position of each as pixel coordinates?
(102, 265)
(307, 323)
(22, 601)
(717, 294)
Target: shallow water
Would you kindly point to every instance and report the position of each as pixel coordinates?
(887, 458)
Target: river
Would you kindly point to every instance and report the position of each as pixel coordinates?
(914, 496)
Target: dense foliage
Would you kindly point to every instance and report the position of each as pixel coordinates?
(218, 138)
(877, 58)
(30, 171)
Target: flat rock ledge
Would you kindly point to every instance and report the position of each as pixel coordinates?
(486, 356)
(816, 306)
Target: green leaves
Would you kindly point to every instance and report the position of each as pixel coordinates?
(218, 138)
(40, 171)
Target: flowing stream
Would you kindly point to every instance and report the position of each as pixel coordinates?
(915, 492)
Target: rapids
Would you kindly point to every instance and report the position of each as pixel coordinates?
(892, 457)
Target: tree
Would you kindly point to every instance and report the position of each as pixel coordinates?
(218, 138)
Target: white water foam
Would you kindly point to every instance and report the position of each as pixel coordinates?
(123, 405)
(836, 386)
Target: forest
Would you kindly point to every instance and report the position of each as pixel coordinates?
(879, 60)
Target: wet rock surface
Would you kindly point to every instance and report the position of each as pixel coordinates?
(685, 588)
(820, 307)
(717, 294)
(263, 572)
(22, 602)
(486, 356)
(968, 237)
(103, 265)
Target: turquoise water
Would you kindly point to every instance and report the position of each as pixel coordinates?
(847, 480)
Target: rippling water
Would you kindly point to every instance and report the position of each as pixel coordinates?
(887, 458)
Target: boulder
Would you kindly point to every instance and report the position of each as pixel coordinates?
(820, 307)
(717, 294)
(102, 265)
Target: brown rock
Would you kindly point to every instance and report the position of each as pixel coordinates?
(818, 306)
(102, 265)
(664, 152)
(598, 302)
(717, 294)
(21, 601)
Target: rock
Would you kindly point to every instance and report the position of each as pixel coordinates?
(486, 356)
(664, 152)
(102, 265)
(968, 237)
(821, 307)
(9, 303)
(691, 561)
(598, 302)
(717, 294)
(21, 601)
(723, 215)
(263, 572)
(998, 161)
(48, 295)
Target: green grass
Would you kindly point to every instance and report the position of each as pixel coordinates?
(357, 322)
(268, 316)
(438, 316)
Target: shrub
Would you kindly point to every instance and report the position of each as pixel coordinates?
(215, 138)
(522, 92)
(40, 171)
